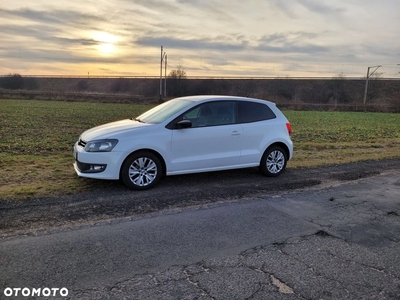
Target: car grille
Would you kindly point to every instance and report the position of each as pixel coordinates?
(82, 143)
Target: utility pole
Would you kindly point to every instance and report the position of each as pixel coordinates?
(366, 84)
(165, 77)
(163, 55)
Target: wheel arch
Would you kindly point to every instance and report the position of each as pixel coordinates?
(159, 156)
(281, 145)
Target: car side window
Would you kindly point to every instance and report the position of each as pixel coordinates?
(253, 112)
(212, 114)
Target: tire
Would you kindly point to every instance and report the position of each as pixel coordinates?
(141, 171)
(273, 162)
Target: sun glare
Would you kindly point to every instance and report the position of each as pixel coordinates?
(106, 48)
(106, 41)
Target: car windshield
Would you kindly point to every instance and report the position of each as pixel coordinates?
(162, 112)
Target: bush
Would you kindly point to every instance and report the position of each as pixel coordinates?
(30, 83)
(177, 87)
(82, 85)
(120, 85)
(12, 82)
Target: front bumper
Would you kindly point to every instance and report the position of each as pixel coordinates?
(90, 168)
(99, 165)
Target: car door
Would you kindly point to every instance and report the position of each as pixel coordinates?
(256, 119)
(213, 142)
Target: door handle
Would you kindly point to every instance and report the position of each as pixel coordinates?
(235, 132)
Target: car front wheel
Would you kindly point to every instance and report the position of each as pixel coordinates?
(273, 162)
(141, 170)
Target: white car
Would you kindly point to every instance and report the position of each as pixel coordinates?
(187, 135)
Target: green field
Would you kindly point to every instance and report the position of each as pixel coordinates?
(36, 140)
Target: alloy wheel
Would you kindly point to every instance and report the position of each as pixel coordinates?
(275, 162)
(143, 171)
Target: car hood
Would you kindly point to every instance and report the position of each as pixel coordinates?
(112, 130)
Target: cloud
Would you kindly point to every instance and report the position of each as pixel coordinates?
(295, 9)
(56, 27)
(60, 17)
(283, 38)
(40, 31)
(320, 8)
(294, 49)
(154, 6)
(45, 34)
(228, 36)
(48, 56)
(291, 42)
(193, 44)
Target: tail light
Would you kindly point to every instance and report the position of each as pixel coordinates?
(289, 129)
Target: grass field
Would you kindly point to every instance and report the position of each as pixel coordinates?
(36, 140)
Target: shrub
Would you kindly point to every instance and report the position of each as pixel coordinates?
(12, 82)
(82, 85)
(30, 83)
(120, 85)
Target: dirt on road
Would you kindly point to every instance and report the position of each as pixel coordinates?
(42, 215)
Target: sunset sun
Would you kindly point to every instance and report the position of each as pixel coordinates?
(106, 48)
(106, 42)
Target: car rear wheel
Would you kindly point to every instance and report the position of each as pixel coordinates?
(273, 162)
(141, 170)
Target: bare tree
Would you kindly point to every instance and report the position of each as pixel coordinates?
(177, 83)
(179, 73)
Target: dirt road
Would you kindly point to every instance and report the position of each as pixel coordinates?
(38, 216)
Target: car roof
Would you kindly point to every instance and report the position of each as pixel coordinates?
(206, 98)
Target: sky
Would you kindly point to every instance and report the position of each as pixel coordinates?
(213, 38)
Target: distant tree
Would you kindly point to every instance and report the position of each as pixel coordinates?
(179, 73)
(337, 90)
(176, 82)
(12, 82)
(284, 89)
(339, 76)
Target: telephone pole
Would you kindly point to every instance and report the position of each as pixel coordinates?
(165, 77)
(163, 55)
(366, 84)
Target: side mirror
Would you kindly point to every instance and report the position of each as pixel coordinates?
(183, 124)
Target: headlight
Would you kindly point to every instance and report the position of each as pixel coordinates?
(101, 145)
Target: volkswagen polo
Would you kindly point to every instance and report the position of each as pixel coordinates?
(187, 135)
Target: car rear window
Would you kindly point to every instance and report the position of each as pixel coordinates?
(254, 112)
